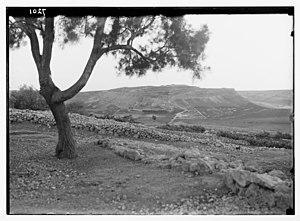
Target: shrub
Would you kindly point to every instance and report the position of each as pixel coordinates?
(126, 118)
(261, 139)
(279, 135)
(27, 98)
(12, 100)
(186, 128)
(264, 134)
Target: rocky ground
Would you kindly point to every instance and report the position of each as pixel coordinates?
(125, 168)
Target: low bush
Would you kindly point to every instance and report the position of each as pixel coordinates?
(264, 134)
(262, 139)
(181, 127)
(27, 97)
(126, 118)
(279, 135)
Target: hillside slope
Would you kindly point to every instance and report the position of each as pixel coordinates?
(171, 99)
(277, 99)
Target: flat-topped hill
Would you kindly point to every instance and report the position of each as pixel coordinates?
(169, 99)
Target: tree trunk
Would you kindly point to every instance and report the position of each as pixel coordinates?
(66, 144)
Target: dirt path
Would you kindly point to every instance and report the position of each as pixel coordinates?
(100, 182)
(177, 116)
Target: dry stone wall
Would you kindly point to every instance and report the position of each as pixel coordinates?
(101, 126)
(126, 129)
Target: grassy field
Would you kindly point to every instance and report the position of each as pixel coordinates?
(269, 120)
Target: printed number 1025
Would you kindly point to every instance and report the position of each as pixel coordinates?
(39, 11)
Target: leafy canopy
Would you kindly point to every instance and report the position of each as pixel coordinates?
(139, 43)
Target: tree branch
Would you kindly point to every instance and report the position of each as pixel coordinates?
(127, 47)
(16, 24)
(28, 28)
(139, 31)
(48, 39)
(150, 23)
(96, 53)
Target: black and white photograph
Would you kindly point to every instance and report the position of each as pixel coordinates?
(150, 110)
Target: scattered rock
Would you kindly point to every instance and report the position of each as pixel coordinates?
(259, 188)
(127, 153)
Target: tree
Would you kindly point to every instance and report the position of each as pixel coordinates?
(138, 43)
(27, 98)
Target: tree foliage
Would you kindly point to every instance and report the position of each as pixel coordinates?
(27, 97)
(139, 43)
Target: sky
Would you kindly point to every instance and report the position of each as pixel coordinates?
(245, 52)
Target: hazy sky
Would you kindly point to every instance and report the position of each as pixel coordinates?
(245, 52)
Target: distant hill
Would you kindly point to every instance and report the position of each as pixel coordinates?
(187, 102)
(277, 99)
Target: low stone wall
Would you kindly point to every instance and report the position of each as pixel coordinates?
(101, 126)
(126, 129)
(190, 160)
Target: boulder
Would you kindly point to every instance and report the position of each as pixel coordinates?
(127, 153)
(242, 177)
(119, 150)
(133, 155)
(211, 163)
(192, 153)
(257, 195)
(230, 183)
(265, 180)
(260, 188)
(278, 173)
(200, 167)
(283, 196)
